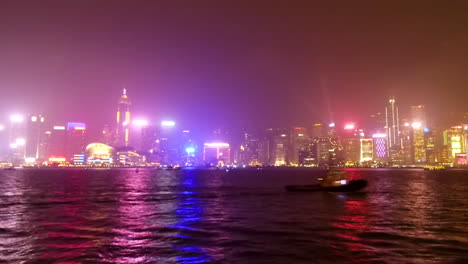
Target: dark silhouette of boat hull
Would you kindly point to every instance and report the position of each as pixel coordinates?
(352, 186)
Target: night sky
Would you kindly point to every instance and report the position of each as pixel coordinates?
(229, 64)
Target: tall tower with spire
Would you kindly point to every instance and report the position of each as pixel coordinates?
(123, 120)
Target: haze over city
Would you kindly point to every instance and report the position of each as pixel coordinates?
(232, 64)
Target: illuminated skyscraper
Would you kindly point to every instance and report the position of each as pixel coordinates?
(75, 142)
(123, 120)
(419, 146)
(217, 153)
(34, 137)
(392, 124)
(380, 152)
(299, 142)
(418, 114)
(367, 150)
(454, 138)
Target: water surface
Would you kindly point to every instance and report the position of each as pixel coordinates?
(240, 216)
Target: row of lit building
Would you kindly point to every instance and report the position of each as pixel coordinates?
(390, 140)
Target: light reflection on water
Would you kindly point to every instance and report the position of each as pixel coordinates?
(189, 212)
(240, 216)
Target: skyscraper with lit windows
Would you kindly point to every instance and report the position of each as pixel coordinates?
(123, 120)
(392, 124)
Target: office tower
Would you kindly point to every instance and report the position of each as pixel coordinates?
(331, 130)
(324, 151)
(17, 139)
(57, 144)
(76, 142)
(35, 145)
(317, 131)
(299, 141)
(376, 122)
(350, 139)
(418, 114)
(430, 141)
(169, 144)
(217, 153)
(392, 125)
(419, 145)
(278, 145)
(454, 138)
(380, 148)
(123, 120)
(252, 150)
(367, 150)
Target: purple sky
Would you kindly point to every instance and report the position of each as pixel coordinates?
(234, 65)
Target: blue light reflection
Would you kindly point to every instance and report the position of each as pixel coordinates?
(189, 213)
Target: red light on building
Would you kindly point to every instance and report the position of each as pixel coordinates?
(349, 126)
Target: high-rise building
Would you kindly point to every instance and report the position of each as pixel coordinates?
(17, 139)
(454, 138)
(123, 120)
(252, 149)
(324, 151)
(418, 114)
(430, 141)
(217, 153)
(299, 142)
(367, 150)
(35, 145)
(380, 148)
(57, 143)
(278, 145)
(76, 142)
(317, 131)
(392, 125)
(351, 144)
(419, 145)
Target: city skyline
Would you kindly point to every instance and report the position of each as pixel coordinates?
(388, 139)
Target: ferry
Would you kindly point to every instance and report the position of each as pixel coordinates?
(439, 167)
(334, 181)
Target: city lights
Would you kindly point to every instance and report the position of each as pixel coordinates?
(30, 159)
(140, 122)
(16, 118)
(416, 125)
(20, 141)
(395, 142)
(167, 123)
(216, 145)
(190, 150)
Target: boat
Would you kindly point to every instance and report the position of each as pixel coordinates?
(440, 167)
(351, 186)
(334, 181)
